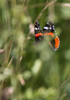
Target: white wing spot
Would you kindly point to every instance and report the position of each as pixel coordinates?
(46, 28)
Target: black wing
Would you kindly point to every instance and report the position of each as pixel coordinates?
(49, 27)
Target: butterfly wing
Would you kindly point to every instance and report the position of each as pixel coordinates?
(54, 44)
(38, 32)
(57, 43)
(49, 30)
(49, 27)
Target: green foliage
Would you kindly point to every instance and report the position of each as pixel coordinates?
(27, 71)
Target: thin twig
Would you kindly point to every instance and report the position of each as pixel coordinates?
(47, 5)
(23, 2)
(6, 70)
(62, 96)
(63, 4)
(63, 84)
(43, 4)
(9, 63)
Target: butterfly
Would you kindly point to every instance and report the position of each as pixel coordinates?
(48, 30)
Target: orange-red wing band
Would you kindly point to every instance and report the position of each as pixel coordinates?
(38, 34)
(50, 33)
(57, 43)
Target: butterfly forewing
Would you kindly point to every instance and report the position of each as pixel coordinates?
(38, 32)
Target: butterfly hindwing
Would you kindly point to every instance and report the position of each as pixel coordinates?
(54, 44)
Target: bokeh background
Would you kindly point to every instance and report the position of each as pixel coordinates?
(27, 71)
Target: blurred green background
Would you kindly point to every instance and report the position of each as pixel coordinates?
(29, 72)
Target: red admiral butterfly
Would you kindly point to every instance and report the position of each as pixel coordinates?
(47, 30)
